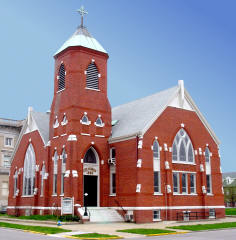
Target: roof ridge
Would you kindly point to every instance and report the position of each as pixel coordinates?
(139, 99)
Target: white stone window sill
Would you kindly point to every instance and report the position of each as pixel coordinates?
(210, 194)
(112, 195)
(62, 195)
(85, 123)
(194, 194)
(157, 220)
(97, 125)
(102, 136)
(98, 90)
(64, 123)
(55, 137)
(187, 163)
(60, 90)
(27, 196)
(56, 126)
(54, 195)
(85, 134)
(157, 194)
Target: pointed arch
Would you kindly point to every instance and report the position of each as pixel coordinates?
(92, 77)
(156, 167)
(55, 168)
(207, 155)
(182, 148)
(61, 78)
(91, 156)
(29, 171)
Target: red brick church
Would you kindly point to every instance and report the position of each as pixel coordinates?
(152, 159)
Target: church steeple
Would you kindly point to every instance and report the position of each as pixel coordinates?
(82, 37)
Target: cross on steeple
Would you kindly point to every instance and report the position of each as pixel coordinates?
(82, 12)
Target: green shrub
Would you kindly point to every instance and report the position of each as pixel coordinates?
(69, 218)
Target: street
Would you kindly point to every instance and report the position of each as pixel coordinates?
(229, 234)
(13, 234)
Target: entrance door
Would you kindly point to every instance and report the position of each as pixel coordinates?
(90, 187)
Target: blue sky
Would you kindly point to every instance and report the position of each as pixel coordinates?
(152, 44)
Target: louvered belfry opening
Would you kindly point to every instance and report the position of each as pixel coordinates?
(61, 79)
(92, 76)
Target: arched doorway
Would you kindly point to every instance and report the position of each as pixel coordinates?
(91, 178)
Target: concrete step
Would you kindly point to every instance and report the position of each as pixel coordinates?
(102, 214)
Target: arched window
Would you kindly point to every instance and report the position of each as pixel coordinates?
(64, 120)
(99, 122)
(29, 171)
(85, 120)
(15, 182)
(207, 155)
(92, 76)
(182, 148)
(156, 166)
(63, 169)
(208, 170)
(90, 157)
(55, 163)
(61, 78)
(42, 179)
(56, 123)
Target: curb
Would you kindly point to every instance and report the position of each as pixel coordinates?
(160, 234)
(33, 232)
(102, 238)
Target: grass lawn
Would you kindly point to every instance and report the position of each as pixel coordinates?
(96, 235)
(145, 231)
(46, 230)
(200, 227)
(230, 211)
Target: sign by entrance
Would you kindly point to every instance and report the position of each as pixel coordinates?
(67, 206)
(90, 171)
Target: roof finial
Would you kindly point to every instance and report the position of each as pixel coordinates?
(82, 12)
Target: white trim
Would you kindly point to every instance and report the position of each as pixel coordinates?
(186, 163)
(126, 208)
(178, 171)
(85, 134)
(98, 90)
(102, 136)
(62, 135)
(123, 138)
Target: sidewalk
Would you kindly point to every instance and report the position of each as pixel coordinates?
(111, 228)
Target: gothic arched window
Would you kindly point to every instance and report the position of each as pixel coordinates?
(90, 157)
(29, 171)
(92, 76)
(63, 169)
(99, 122)
(182, 148)
(55, 163)
(85, 120)
(61, 78)
(207, 155)
(156, 166)
(42, 178)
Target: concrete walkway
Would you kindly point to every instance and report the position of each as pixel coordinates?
(111, 228)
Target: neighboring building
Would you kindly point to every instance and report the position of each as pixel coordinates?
(149, 159)
(229, 183)
(9, 132)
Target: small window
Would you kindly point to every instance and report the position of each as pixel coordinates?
(156, 215)
(5, 189)
(208, 183)
(61, 78)
(207, 155)
(15, 183)
(212, 213)
(99, 122)
(55, 159)
(85, 120)
(156, 150)
(42, 179)
(64, 120)
(184, 183)
(6, 160)
(63, 156)
(92, 77)
(113, 153)
(192, 183)
(9, 141)
(56, 123)
(112, 180)
(156, 182)
(176, 182)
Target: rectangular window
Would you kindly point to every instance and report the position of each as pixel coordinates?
(6, 160)
(208, 183)
(156, 215)
(212, 213)
(62, 183)
(113, 153)
(4, 189)
(112, 180)
(54, 184)
(156, 182)
(192, 183)
(184, 183)
(175, 182)
(9, 141)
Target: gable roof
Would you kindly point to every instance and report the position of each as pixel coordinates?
(36, 121)
(136, 117)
